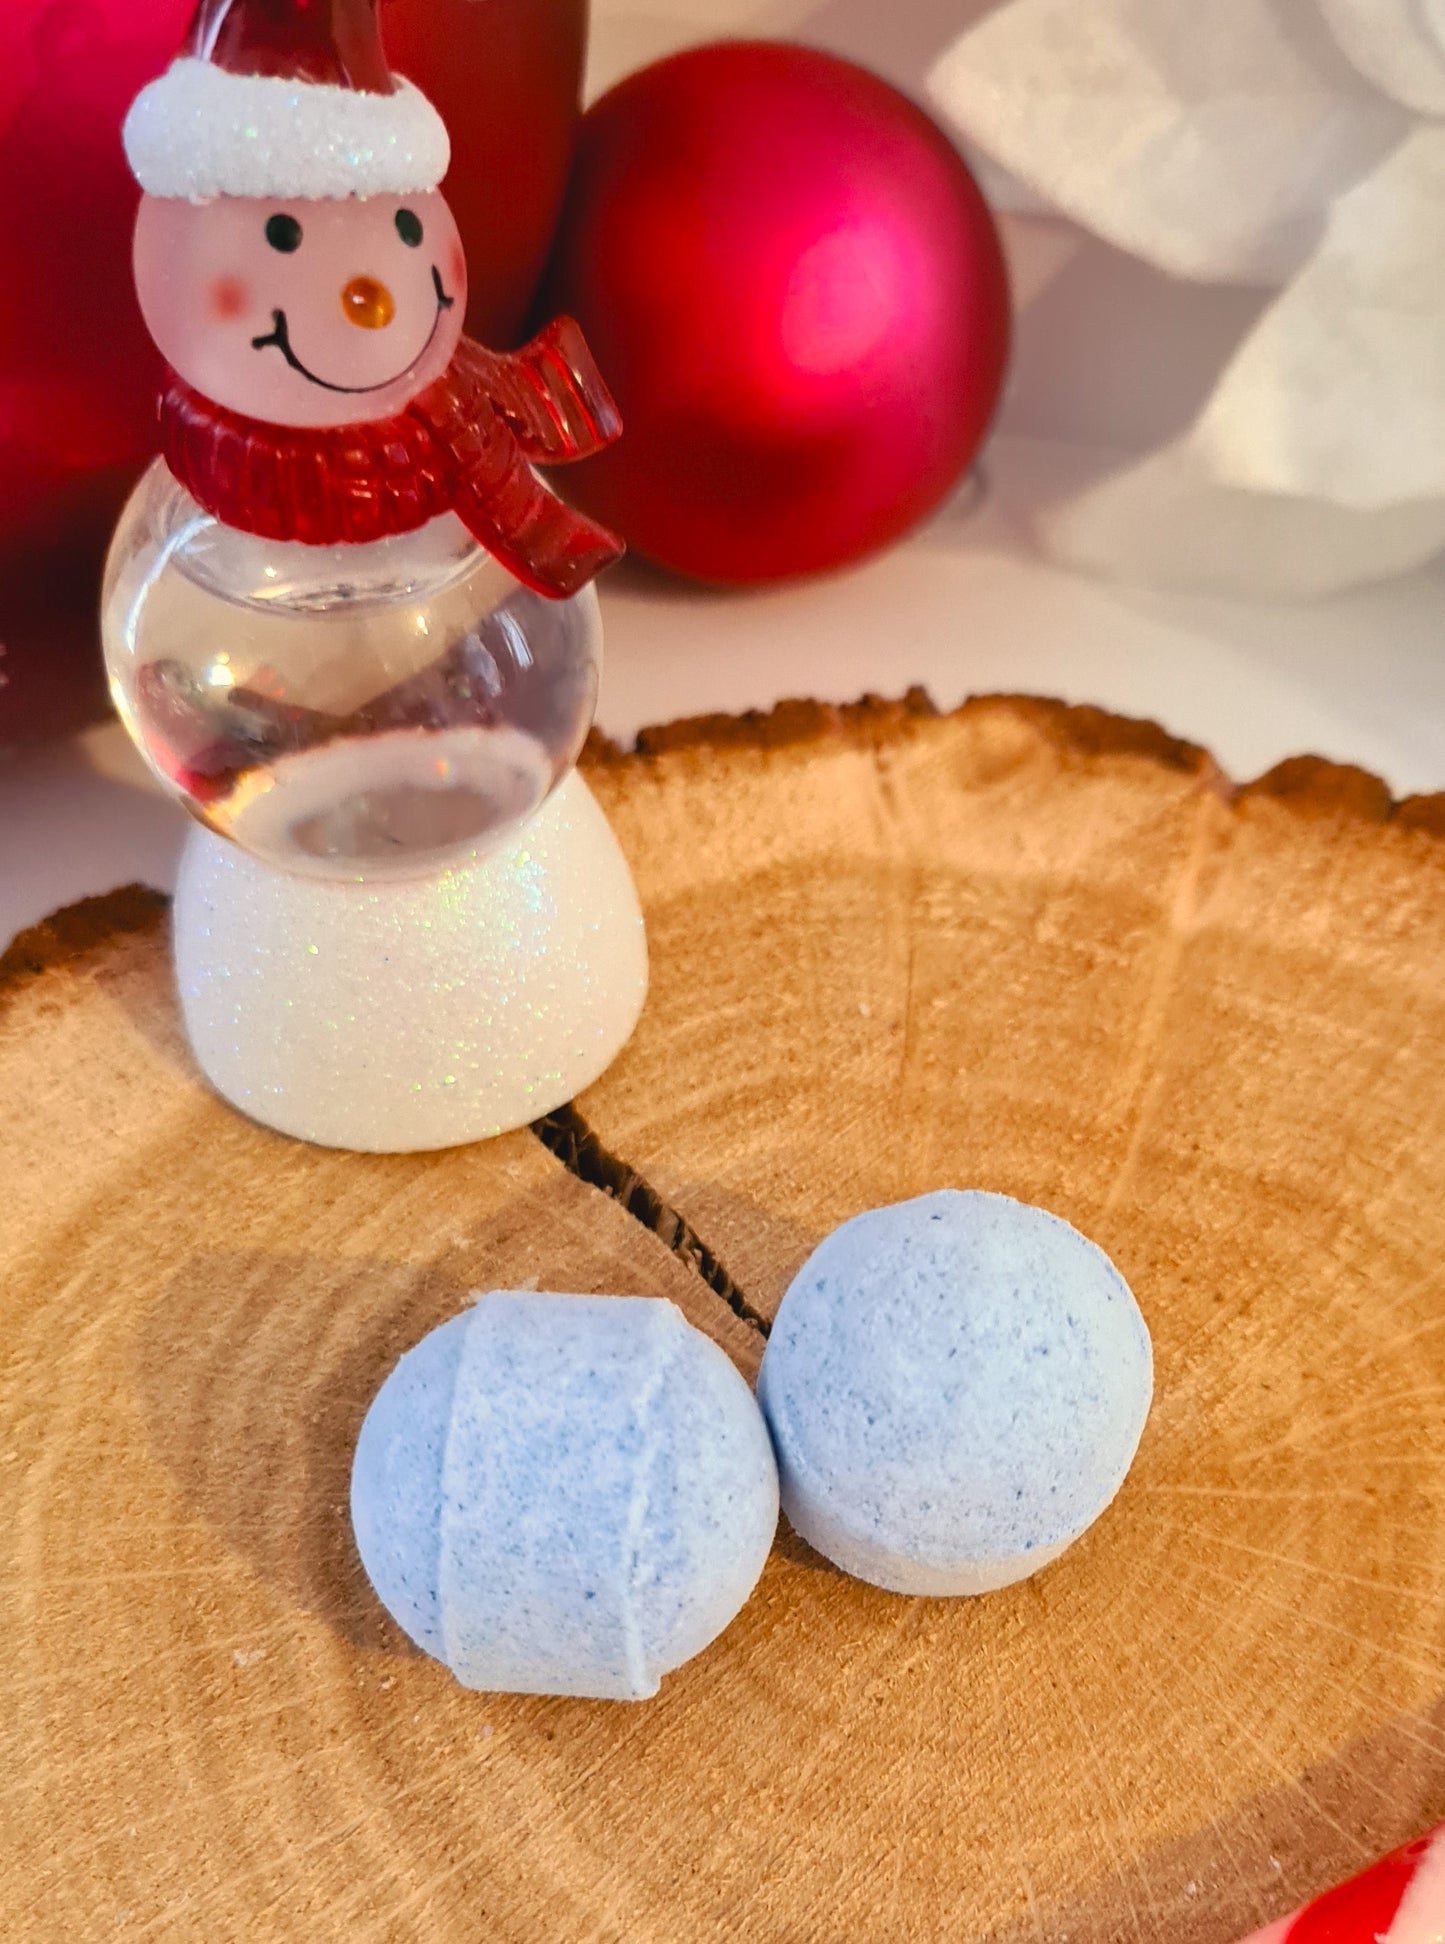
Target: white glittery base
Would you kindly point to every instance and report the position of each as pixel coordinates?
(392, 1017)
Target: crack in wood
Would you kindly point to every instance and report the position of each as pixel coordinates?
(70, 934)
(566, 1134)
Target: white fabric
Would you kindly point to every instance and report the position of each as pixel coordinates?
(1395, 43)
(1339, 392)
(199, 132)
(1206, 139)
(1319, 461)
(1171, 518)
(1295, 143)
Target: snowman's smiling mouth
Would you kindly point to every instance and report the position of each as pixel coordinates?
(280, 336)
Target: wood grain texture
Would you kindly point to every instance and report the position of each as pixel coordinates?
(1020, 948)
(1041, 951)
(209, 1728)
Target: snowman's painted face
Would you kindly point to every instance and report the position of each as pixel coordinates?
(303, 313)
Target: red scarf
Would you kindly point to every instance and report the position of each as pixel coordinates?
(465, 445)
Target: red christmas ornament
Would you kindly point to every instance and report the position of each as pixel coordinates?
(1399, 1900)
(800, 301)
(78, 375)
(506, 78)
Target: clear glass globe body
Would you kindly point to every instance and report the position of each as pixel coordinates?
(358, 713)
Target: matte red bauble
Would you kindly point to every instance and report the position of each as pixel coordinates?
(78, 376)
(800, 302)
(506, 78)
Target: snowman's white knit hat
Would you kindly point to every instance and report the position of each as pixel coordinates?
(284, 99)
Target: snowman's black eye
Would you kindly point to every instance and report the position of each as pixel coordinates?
(408, 228)
(283, 233)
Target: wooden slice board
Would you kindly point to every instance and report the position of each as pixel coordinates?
(1018, 947)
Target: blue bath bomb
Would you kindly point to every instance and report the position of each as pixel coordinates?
(564, 1494)
(956, 1388)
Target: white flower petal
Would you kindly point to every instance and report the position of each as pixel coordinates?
(1339, 391)
(1395, 44)
(1206, 136)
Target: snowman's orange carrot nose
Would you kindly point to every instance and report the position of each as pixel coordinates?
(368, 303)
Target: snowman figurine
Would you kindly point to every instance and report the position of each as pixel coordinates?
(345, 622)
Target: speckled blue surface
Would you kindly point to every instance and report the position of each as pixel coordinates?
(564, 1494)
(956, 1387)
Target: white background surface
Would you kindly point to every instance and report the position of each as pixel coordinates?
(1109, 356)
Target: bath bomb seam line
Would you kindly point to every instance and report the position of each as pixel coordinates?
(436, 1575)
(443, 1495)
(640, 1498)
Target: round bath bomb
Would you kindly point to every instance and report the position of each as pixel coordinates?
(956, 1388)
(564, 1494)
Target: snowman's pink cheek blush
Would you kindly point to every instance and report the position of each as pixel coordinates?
(230, 299)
